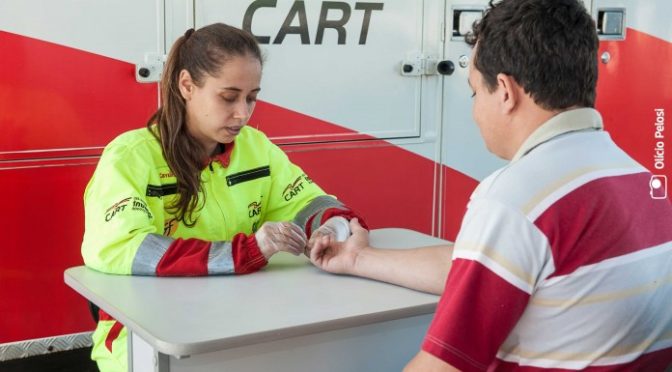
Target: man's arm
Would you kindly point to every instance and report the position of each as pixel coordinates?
(423, 269)
(426, 362)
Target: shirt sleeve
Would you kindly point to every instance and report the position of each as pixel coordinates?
(124, 230)
(498, 257)
(295, 197)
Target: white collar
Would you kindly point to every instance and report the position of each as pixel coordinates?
(567, 121)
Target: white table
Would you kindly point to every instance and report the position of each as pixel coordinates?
(290, 316)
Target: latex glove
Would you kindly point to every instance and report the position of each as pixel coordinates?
(273, 237)
(340, 257)
(337, 228)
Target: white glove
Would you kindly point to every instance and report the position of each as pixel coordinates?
(273, 237)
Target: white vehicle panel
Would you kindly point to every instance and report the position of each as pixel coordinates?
(354, 82)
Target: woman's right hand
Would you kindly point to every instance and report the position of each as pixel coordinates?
(273, 237)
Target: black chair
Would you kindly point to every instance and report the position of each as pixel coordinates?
(94, 311)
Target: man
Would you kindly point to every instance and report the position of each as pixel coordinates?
(563, 260)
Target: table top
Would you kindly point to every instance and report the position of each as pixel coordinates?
(290, 297)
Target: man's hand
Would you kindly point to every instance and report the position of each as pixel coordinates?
(275, 237)
(337, 228)
(337, 257)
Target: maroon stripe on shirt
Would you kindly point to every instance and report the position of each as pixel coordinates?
(185, 258)
(660, 360)
(476, 313)
(605, 218)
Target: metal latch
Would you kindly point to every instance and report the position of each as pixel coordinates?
(417, 64)
(149, 71)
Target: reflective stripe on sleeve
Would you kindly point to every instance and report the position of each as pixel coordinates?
(220, 258)
(150, 252)
(316, 206)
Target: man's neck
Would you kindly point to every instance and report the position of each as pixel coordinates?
(527, 119)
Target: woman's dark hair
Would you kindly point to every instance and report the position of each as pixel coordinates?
(201, 52)
(548, 46)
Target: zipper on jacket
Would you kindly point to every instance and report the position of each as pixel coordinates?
(212, 188)
(162, 190)
(248, 175)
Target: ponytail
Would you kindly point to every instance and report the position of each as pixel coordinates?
(198, 52)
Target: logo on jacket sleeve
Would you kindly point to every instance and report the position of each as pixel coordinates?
(293, 189)
(136, 204)
(140, 205)
(117, 207)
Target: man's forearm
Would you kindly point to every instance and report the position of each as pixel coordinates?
(424, 269)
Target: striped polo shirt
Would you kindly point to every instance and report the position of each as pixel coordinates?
(563, 261)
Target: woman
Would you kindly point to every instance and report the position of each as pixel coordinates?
(197, 192)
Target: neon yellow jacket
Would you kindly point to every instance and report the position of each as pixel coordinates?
(129, 231)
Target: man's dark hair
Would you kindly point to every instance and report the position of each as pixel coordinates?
(548, 46)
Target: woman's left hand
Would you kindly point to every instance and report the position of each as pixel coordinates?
(273, 237)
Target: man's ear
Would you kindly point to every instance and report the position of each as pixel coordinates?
(508, 92)
(185, 84)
